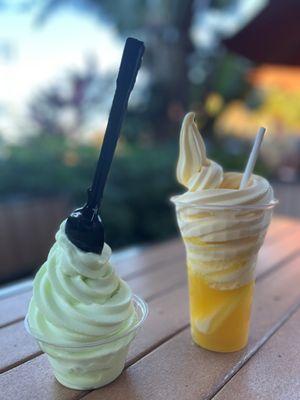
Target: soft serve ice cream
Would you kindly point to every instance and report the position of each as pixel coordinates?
(223, 228)
(83, 315)
(78, 302)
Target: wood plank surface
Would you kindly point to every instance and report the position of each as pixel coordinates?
(149, 258)
(149, 285)
(180, 369)
(37, 383)
(14, 308)
(17, 346)
(155, 258)
(269, 293)
(146, 339)
(160, 277)
(276, 254)
(274, 370)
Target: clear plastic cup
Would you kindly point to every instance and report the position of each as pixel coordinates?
(91, 365)
(221, 261)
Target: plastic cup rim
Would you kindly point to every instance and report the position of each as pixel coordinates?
(217, 207)
(139, 304)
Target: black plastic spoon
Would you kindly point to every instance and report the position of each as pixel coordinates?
(84, 227)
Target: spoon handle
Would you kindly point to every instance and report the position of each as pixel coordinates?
(130, 64)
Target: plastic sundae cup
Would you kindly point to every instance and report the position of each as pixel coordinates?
(221, 262)
(95, 364)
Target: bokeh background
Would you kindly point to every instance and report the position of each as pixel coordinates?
(234, 62)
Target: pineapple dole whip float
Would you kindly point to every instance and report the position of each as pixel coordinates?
(82, 314)
(223, 228)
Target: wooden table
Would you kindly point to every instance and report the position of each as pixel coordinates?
(163, 362)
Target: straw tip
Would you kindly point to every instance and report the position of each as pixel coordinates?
(262, 130)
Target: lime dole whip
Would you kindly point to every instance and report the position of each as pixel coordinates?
(223, 228)
(82, 314)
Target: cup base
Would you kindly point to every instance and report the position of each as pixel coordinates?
(90, 366)
(219, 349)
(91, 385)
(205, 343)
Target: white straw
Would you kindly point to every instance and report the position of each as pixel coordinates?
(253, 157)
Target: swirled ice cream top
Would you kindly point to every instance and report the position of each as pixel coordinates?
(77, 297)
(205, 180)
(221, 243)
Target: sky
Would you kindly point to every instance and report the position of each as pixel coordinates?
(41, 54)
(211, 25)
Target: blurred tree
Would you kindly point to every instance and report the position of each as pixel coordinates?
(172, 58)
(65, 107)
(57, 166)
(226, 81)
(165, 27)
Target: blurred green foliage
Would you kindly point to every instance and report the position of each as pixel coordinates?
(136, 206)
(39, 167)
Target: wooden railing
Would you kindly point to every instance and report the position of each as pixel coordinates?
(26, 234)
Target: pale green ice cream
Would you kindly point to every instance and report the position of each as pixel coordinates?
(78, 301)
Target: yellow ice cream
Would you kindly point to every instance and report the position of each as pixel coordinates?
(78, 300)
(221, 242)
